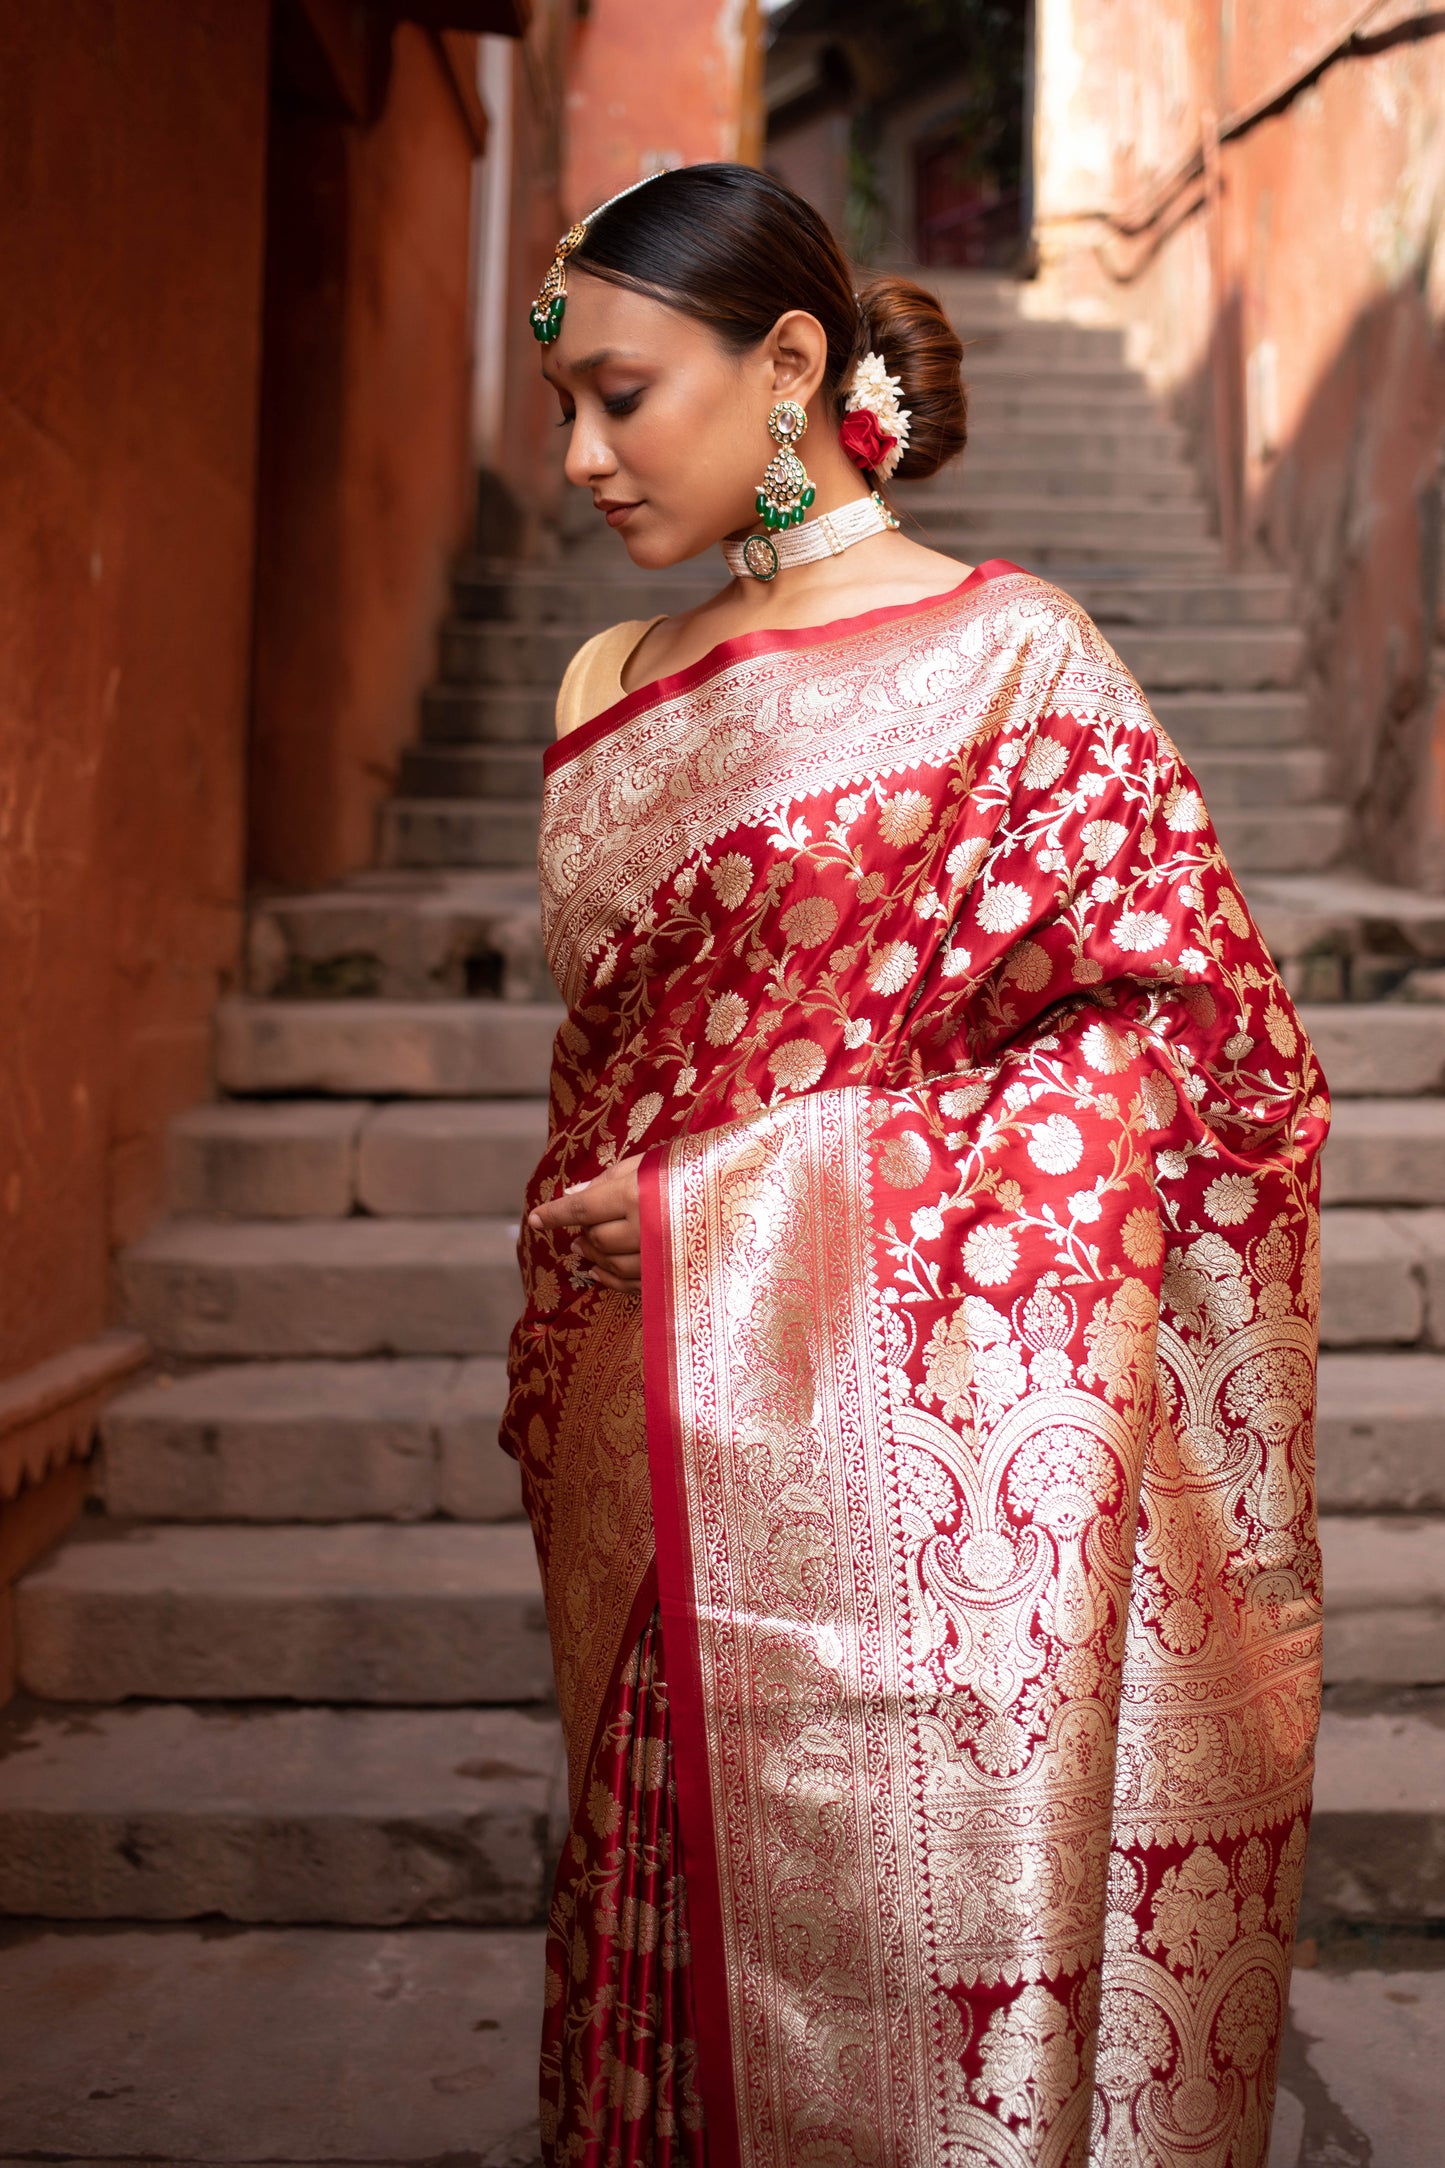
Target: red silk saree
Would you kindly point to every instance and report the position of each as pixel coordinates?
(930, 1554)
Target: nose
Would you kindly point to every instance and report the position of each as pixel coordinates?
(589, 458)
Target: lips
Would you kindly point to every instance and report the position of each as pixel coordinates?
(614, 512)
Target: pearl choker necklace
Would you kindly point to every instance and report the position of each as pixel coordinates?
(762, 555)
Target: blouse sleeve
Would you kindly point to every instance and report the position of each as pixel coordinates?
(593, 679)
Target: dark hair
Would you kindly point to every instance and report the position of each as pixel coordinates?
(737, 249)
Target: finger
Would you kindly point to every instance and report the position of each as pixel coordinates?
(573, 1209)
(585, 1203)
(611, 1238)
(624, 1273)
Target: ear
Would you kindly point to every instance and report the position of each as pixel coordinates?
(797, 348)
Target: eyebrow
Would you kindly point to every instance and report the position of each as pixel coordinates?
(590, 361)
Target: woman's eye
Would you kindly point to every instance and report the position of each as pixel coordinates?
(624, 404)
(567, 420)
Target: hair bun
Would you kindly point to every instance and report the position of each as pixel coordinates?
(906, 325)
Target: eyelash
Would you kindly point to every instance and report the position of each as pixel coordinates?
(622, 406)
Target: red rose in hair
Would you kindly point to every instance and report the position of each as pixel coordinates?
(863, 440)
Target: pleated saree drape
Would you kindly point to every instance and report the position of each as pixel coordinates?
(930, 1553)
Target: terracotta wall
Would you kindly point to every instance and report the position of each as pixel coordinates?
(1289, 301)
(132, 141)
(639, 99)
(366, 494)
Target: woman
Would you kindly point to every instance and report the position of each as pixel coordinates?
(929, 1551)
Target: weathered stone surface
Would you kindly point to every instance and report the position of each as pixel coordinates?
(1238, 780)
(460, 831)
(387, 1049)
(476, 1480)
(312, 1441)
(1207, 721)
(1372, 1286)
(1377, 1838)
(183, 2045)
(1426, 1231)
(324, 1287)
(450, 1156)
(292, 1160)
(1386, 1151)
(400, 936)
(374, 1817)
(435, 1612)
(1294, 839)
(1380, 1433)
(471, 771)
(1384, 1600)
(1225, 658)
(1377, 1048)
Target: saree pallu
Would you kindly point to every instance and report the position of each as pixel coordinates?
(962, 1437)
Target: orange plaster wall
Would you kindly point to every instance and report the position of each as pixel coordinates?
(132, 140)
(1322, 295)
(649, 88)
(366, 487)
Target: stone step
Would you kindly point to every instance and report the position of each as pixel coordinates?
(287, 1159)
(1348, 938)
(1026, 470)
(1384, 1599)
(459, 832)
(1202, 722)
(399, 1439)
(514, 715)
(1234, 601)
(1112, 449)
(310, 1159)
(1247, 778)
(187, 2044)
(1001, 412)
(995, 335)
(1384, 1278)
(1092, 526)
(384, 1049)
(1297, 839)
(402, 936)
(1216, 658)
(1371, 1049)
(207, 1288)
(1380, 1433)
(471, 771)
(1377, 1833)
(1100, 380)
(1386, 1151)
(449, 1156)
(432, 1613)
(352, 1817)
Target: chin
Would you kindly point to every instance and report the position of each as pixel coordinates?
(664, 547)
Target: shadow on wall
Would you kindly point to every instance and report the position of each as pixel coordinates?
(1352, 504)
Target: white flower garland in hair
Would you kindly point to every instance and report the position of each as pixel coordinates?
(874, 391)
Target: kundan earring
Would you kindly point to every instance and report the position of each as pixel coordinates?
(785, 491)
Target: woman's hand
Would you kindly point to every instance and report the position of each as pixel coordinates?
(610, 1231)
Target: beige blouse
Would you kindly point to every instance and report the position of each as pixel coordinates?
(594, 675)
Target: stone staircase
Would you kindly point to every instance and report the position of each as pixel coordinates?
(293, 1672)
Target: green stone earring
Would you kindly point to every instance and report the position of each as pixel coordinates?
(785, 492)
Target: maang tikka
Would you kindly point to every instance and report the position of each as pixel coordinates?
(547, 311)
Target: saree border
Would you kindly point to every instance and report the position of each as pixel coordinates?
(676, 1598)
(743, 647)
